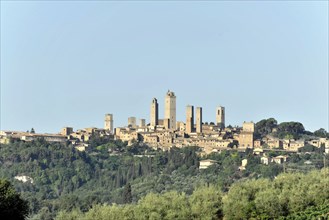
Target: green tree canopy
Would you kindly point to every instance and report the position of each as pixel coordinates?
(295, 129)
(127, 196)
(265, 127)
(11, 204)
(322, 133)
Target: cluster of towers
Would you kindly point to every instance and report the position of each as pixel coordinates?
(189, 127)
(169, 121)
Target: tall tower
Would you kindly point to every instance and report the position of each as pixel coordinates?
(142, 122)
(198, 119)
(170, 109)
(154, 116)
(189, 119)
(132, 122)
(108, 122)
(220, 116)
(246, 136)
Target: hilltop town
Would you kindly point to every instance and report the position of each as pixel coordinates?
(121, 165)
(168, 132)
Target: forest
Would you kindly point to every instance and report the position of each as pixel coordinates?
(113, 177)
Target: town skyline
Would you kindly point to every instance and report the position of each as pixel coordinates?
(181, 117)
(108, 57)
(162, 115)
(167, 132)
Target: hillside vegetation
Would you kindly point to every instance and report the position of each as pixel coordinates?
(66, 179)
(110, 172)
(289, 196)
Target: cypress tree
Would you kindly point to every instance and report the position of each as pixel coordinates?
(127, 196)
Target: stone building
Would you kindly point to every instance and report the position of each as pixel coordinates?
(142, 122)
(154, 116)
(257, 143)
(66, 131)
(248, 126)
(189, 119)
(166, 123)
(220, 117)
(108, 123)
(204, 164)
(246, 136)
(132, 122)
(170, 109)
(274, 143)
(265, 160)
(198, 119)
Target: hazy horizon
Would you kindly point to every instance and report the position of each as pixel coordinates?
(70, 63)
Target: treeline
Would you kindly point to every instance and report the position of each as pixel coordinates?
(289, 196)
(286, 130)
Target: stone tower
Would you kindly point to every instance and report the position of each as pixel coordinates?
(170, 109)
(108, 122)
(248, 126)
(246, 136)
(132, 122)
(142, 122)
(154, 116)
(220, 116)
(198, 119)
(189, 119)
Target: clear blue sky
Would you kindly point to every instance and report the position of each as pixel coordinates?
(69, 63)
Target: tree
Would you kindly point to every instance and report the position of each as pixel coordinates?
(12, 206)
(170, 205)
(295, 129)
(32, 131)
(206, 203)
(265, 127)
(321, 133)
(127, 196)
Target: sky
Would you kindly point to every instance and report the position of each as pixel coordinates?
(70, 63)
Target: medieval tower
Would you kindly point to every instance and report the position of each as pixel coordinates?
(189, 119)
(154, 117)
(170, 109)
(220, 116)
(108, 122)
(132, 122)
(198, 119)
